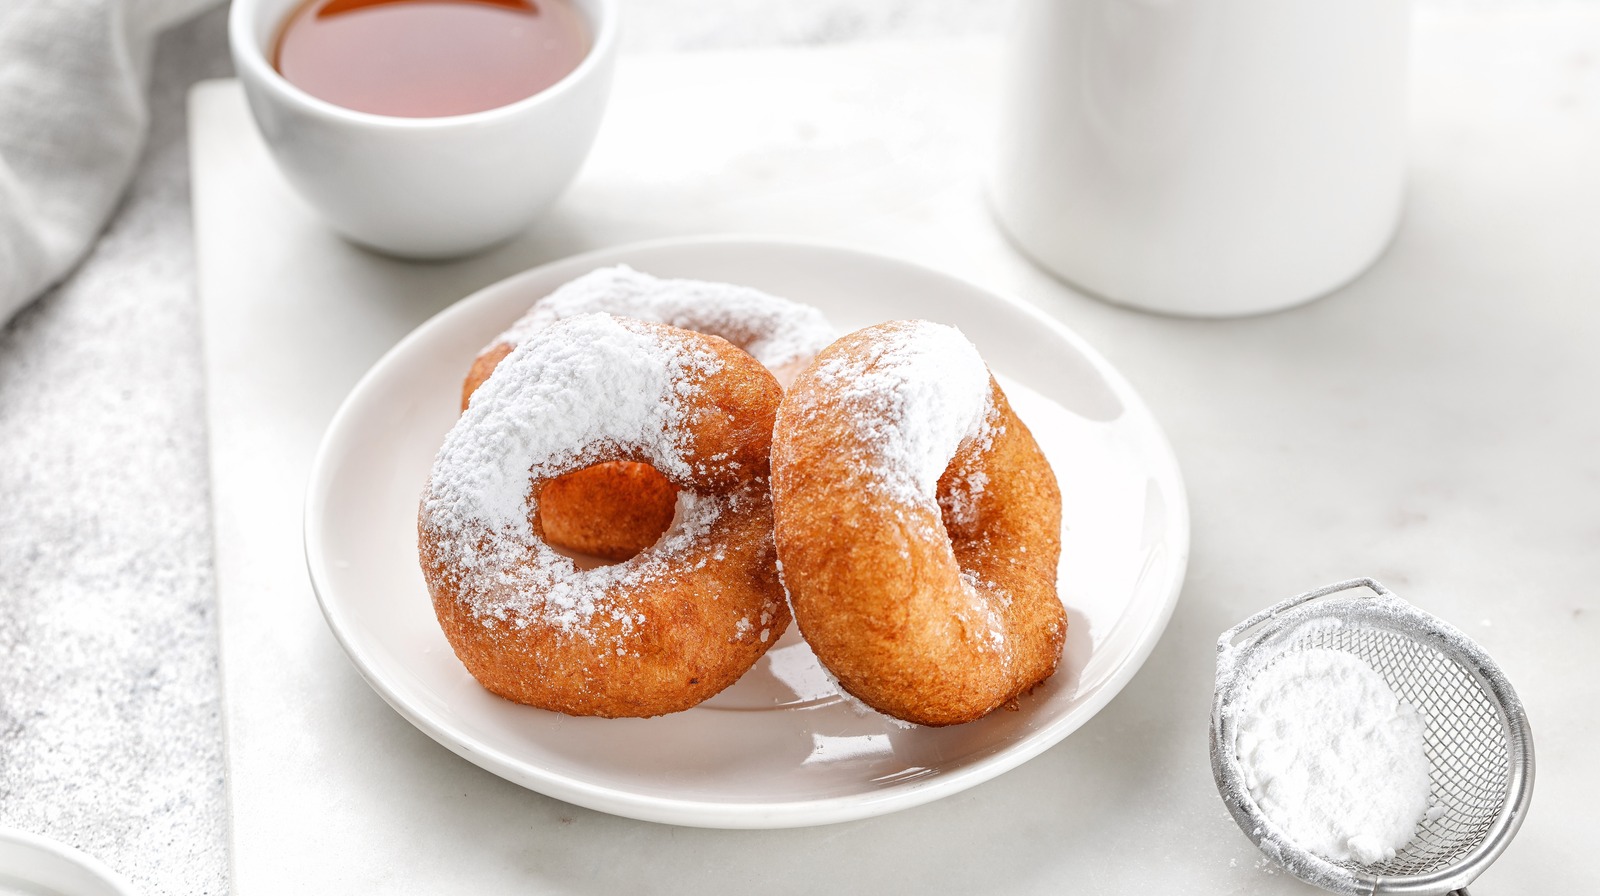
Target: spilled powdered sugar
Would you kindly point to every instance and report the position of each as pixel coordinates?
(777, 332)
(579, 391)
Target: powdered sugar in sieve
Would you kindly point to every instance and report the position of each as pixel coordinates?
(1476, 749)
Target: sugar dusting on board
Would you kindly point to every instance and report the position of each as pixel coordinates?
(1333, 756)
(540, 420)
(775, 331)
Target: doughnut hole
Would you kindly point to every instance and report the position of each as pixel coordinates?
(612, 510)
(979, 494)
(616, 509)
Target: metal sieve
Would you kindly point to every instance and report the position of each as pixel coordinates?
(1477, 735)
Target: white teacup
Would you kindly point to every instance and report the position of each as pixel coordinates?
(425, 187)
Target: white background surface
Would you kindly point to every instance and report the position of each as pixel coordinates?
(1432, 425)
(1429, 426)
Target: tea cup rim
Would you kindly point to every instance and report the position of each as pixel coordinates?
(250, 57)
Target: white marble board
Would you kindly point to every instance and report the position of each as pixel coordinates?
(1432, 425)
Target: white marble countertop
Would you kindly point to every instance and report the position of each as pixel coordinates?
(1479, 503)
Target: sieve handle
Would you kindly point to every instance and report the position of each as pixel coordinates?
(1239, 633)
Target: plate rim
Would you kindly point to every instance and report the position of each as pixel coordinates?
(753, 815)
(55, 858)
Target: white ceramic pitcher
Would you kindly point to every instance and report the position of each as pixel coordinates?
(1203, 157)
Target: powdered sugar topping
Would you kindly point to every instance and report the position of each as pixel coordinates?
(775, 331)
(584, 389)
(920, 393)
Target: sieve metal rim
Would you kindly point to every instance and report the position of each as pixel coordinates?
(1379, 609)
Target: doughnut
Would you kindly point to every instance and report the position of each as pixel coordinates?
(614, 511)
(663, 630)
(918, 526)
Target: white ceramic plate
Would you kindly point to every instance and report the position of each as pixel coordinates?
(781, 748)
(31, 864)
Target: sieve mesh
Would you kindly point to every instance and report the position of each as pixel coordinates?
(1465, 738)
(1475, 732)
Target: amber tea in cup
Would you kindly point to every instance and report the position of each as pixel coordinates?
(429, 58)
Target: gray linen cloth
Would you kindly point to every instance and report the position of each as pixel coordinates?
(72, 121)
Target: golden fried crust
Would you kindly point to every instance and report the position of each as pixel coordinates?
(612, 510)
(705, 627)
(876, 585)
(684, 634)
